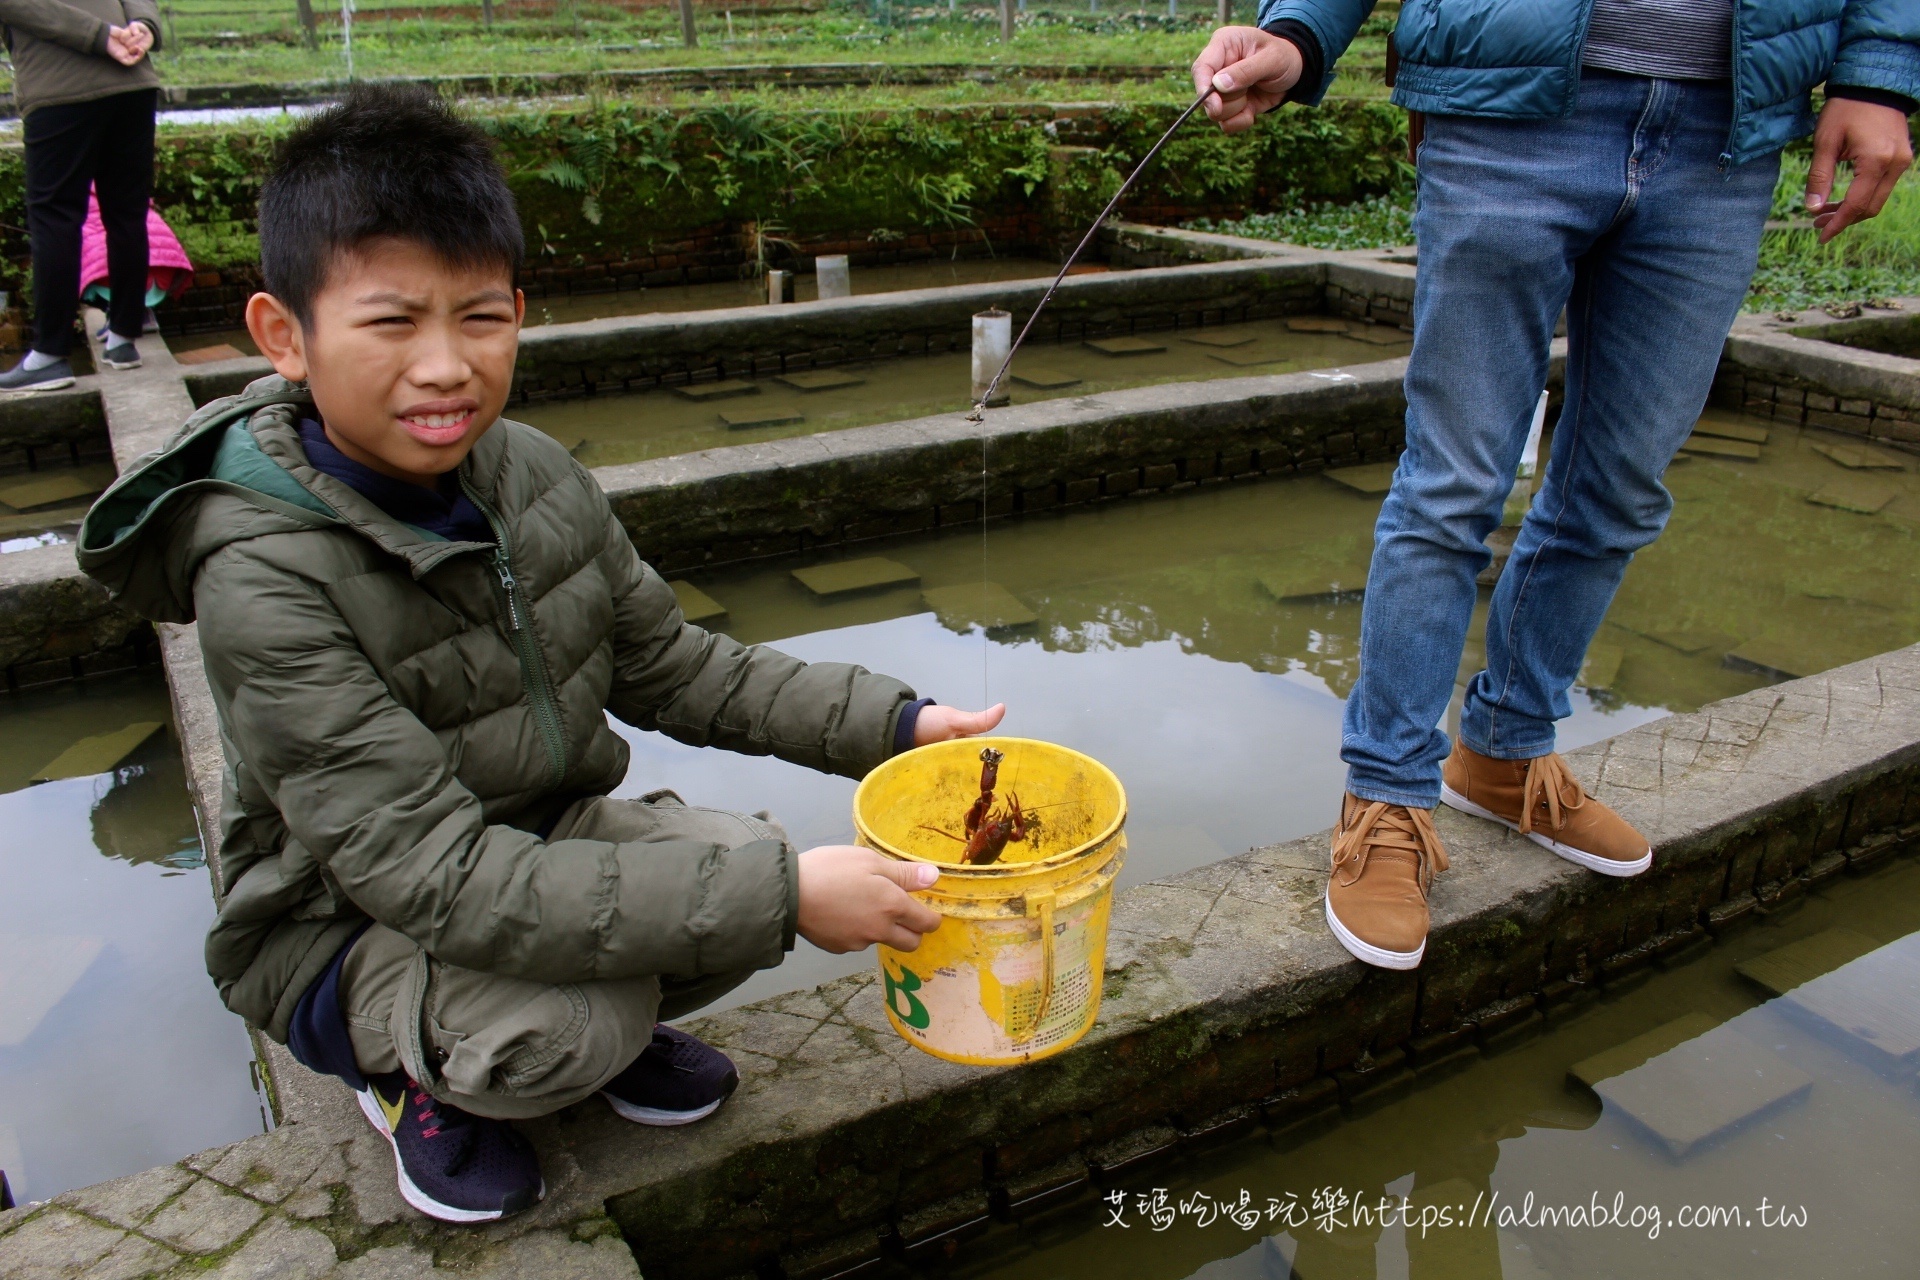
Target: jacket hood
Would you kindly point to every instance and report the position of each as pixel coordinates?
(208, 485)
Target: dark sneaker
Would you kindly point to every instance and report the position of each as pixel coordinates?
(124, 356)
(675, 1080)
(150, 323)
(453, 1166)
(49, 377)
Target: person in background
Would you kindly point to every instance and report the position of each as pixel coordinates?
(1615, 160)
(85, 87)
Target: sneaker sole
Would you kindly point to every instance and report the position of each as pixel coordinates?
(412, 1194)
(1579, 857)
(655, 1116)
(58, 384)
(117, 364)
(1378, 957)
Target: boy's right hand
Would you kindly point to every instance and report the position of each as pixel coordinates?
(851, 898)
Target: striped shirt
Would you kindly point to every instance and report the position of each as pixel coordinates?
(1667, 39)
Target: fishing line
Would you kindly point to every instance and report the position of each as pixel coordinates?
(980, 410)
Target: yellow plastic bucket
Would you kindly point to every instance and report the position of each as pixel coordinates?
(1013, 973)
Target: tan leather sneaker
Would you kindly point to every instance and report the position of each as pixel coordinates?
(1542, 800)
(1384, 859)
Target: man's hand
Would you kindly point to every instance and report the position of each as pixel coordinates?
(851, 898)
(127, 45)
(941, 724)
(1870, 137)
(1252, 70)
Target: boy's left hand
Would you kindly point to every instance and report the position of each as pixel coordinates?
(941, 724)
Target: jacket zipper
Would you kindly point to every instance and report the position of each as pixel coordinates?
(1733, 91)
(533, 664)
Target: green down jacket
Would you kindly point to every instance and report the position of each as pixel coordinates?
(399, 712)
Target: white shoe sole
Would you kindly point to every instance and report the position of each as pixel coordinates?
(58, 384)
(413, 1195)
(1579, 857)
(656, 1117)
(121, 364)
(1378, 957)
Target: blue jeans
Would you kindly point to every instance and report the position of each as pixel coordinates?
(1621, 214)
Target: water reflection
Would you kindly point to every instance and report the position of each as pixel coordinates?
(1832, 1161)
(115, 1053)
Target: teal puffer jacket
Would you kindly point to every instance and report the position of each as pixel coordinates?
(1521, 58)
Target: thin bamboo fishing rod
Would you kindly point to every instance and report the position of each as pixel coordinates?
(980, 409)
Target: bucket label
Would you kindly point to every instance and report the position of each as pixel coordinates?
(979, 990)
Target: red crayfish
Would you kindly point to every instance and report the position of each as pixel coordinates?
(988, 833)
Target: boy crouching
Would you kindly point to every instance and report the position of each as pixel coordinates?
(415, 616)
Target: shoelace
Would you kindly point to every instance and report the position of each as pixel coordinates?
(437, 1118)
(665, 1050)
(1550, 782)
(1389, 826)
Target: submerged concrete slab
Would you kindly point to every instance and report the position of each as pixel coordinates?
(1696, 1091)
(1780, 971)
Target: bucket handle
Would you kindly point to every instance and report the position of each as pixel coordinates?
(1041, 905)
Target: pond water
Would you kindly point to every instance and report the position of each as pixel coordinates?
(604, 430)
(115, 1053)
(45, 505)
(1159, 647)
(1745, 1135)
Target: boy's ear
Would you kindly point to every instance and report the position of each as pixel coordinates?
(520, 308)
(276, 331)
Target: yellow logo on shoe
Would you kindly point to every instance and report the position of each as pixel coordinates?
(392, 1111)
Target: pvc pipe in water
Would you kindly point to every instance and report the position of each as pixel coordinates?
(992, 339)
(779, 286)
(831, 273)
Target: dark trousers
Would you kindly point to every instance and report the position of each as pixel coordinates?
(109, 143)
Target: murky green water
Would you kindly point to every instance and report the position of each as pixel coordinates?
(115, 1053)
(604, 430)
(1820, 1181)
(1159, 647)
(45, 505)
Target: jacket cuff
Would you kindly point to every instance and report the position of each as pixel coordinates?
(1892, 66)
(1879, 97)
(792, 927)
(1313, 59)
(904, 722)
(100, 34)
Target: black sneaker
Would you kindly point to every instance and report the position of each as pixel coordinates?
(48, 377)
(453, 1166)
(149, 324)
(124, 356)
(675, 1080)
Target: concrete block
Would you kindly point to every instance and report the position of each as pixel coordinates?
(1028, 1195)
(1159, 476)
(1873, 1001)
(1128, 346)
(279, 1250)
(985, 604)
(1781, 970)
(823, 380)
(697, 606)
(128, 1202)
(1714, 446)
(1858, 457)
(1368, 478)
(1120, 483)
(1078, 491)
(1132, 1155)
(723, 390)
(55, 1243)
(1703, 1087)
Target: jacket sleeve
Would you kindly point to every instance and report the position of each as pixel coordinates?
(709, 690)
(1879, 47)
(368, 791)
(1334, 23)
(144, 11)
(56, 22)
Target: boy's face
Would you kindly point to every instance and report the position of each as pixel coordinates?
(409, 359)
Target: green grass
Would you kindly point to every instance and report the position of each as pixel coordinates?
(1377, 223)
(248, 41)
(1873, 259)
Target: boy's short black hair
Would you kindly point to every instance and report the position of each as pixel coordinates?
(386, 161)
